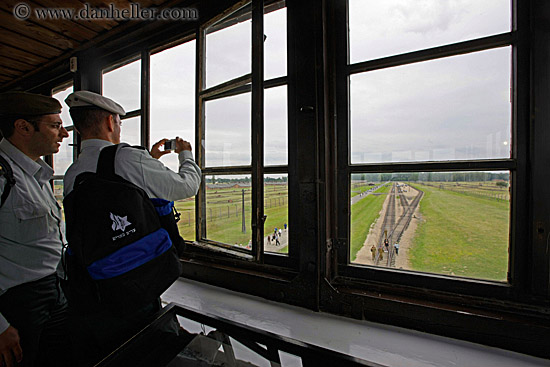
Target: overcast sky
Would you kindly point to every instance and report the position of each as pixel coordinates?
(452, 108)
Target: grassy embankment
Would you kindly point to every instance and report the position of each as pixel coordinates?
(363, 214)
(461, 234)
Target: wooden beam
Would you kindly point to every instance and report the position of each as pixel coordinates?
(35, 31)
(23, 56)
(257, 117)
(14, 64)
(80, 26)
(24, 43)
(62, 26)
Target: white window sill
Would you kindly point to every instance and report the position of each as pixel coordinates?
(379, 343)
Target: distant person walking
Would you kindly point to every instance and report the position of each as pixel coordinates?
(277, 242)
(285, 226)
(381, 253)
(373, 252)
(396, 246)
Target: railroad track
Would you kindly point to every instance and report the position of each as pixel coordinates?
(395, 229)
(387, 224)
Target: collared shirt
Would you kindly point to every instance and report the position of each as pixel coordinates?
(138, 167)
(31, 225)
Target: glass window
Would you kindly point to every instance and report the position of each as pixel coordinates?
(452, 223)
(60, 95)
(131, 131)
(384, 28)
(173, 97)
(276, 229)
(173, 113)
(123, 85)
(228, 131)
(186, 224)
(275, 126)
(228, 50)
(275, 44)
(64, 158)
(227, 126)
(430, 112)
(228, 210)
(454, 108)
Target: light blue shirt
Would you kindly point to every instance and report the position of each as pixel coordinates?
(138, 167)
(31, 226)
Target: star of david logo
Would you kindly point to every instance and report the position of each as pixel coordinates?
(119, 222)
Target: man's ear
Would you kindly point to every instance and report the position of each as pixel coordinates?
(23, 127)
(111, 123)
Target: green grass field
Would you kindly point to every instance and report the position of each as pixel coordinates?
(363, 214)
(461, 234)
(224, 210)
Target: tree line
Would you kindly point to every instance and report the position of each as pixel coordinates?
(432, 176)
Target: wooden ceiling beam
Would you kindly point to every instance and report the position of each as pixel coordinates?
(10, 72)
(62, 26)
(23, 56)
(35, 31)
(25, 43)
(6, 62)
(95, 25)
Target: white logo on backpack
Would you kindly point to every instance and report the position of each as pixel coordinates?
(119, 222)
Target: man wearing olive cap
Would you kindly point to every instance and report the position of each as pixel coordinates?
(32, 236)
(97, 119)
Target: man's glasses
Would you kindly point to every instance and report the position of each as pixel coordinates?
(56, 125)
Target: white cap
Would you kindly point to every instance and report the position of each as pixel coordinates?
(84, 98)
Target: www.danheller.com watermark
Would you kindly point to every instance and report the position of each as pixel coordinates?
(24, 11)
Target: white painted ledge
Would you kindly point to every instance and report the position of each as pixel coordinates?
(383, 344)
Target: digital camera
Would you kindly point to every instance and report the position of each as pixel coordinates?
(170, 144)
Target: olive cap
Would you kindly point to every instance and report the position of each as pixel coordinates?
(28, 104)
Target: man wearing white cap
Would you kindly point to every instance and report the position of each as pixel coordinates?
(97, 119)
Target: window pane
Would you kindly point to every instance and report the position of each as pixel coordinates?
(452, 223)
(453, 108)
(275, 44)
(228, 131)
(123, 85)
(60, 96)
(131, 131)
(64, 158)
(229, 210)
(275, 126)
(173, 97)
(186, 224)
(385, 28)
(58, 193)
(276, 210)
(228, 52)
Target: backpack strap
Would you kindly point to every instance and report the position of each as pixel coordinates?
(106, 161)
(7, 173)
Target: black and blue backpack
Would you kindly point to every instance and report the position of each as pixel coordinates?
(122, 245)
